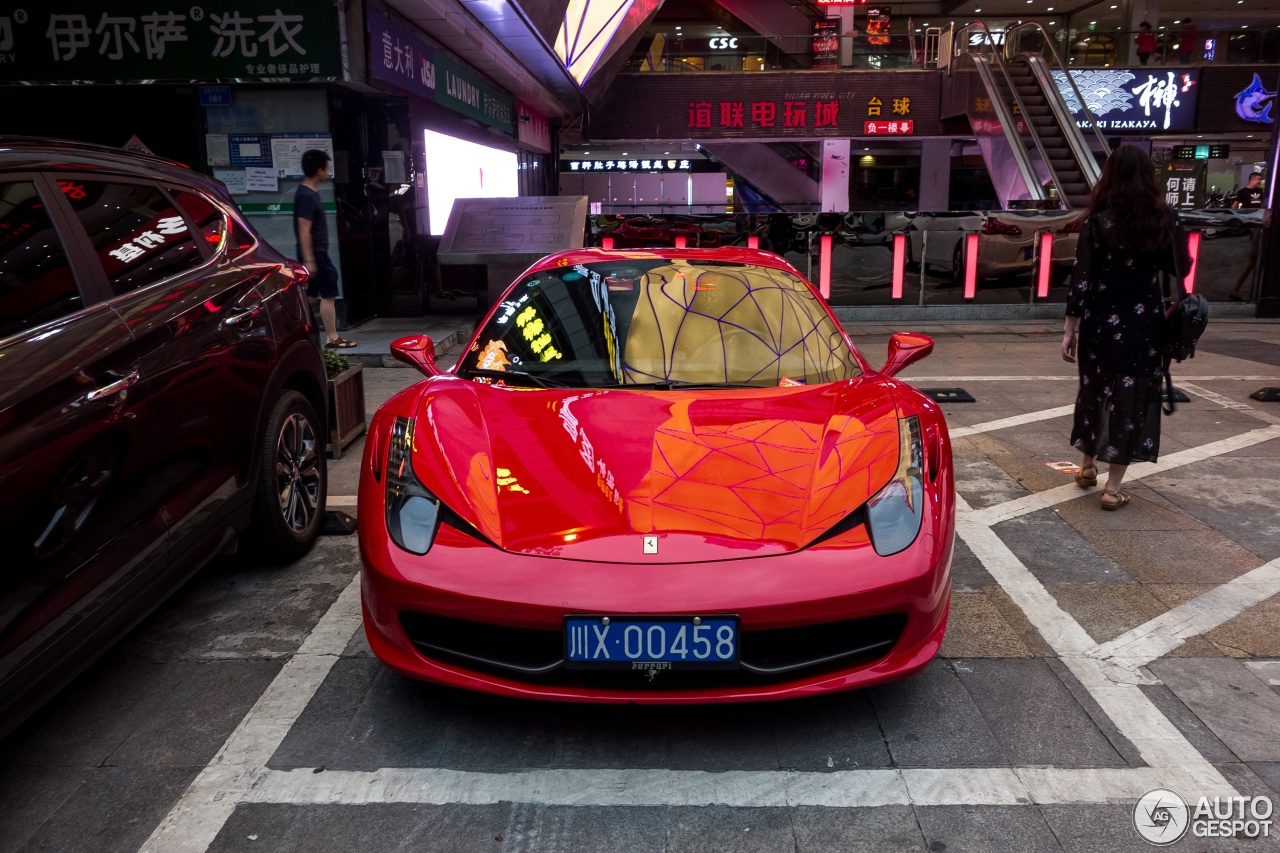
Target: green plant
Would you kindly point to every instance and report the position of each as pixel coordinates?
(335, 363)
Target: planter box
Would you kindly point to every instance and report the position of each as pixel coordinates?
(346, 407)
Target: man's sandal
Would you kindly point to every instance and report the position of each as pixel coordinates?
(1085, 480)
(340, 343)
(1121, 499)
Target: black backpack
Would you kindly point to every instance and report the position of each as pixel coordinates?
(1183, 328)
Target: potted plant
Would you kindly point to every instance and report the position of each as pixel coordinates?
(346, 400)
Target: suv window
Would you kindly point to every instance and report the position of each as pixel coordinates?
(36, 283)
(210, 223)
(137, 233)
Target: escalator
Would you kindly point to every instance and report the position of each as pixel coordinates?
(1033, 148)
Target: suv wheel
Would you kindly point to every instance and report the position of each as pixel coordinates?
(288, 508)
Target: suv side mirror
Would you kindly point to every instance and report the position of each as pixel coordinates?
(906, 348)
(419, 351)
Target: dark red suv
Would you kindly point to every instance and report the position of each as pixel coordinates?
(162, 394)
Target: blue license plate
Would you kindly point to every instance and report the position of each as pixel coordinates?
(638, 642)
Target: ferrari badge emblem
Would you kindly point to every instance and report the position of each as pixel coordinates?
(651, 544)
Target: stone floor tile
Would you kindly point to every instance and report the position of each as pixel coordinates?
(931, 721)
(986, 829)
(857, 830)
(1238, 707)
(1033, 715)
(1107, 612)
(976, 628)
(1057, 553)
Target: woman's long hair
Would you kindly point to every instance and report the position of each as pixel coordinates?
(1128, 193)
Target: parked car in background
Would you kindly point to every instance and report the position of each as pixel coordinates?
(659, 476)
(1006, 239)
(161, 395)
(1222, 221)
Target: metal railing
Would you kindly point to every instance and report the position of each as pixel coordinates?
(1077, 48)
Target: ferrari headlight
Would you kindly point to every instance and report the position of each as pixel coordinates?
(895, 512)
(413, 513)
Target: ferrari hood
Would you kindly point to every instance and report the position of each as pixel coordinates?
(623, 475)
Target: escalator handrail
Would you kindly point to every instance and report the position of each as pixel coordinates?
(1029, 175)
(1014, 33)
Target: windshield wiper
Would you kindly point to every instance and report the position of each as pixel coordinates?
(540, 381)
(679, 385)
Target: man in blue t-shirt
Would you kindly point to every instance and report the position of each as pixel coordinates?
(312, 233)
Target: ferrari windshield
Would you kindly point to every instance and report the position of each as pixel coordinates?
(660, 322)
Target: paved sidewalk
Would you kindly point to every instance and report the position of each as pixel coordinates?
(374, 337)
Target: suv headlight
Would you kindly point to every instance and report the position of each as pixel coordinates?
(895, 512)
(413, 513)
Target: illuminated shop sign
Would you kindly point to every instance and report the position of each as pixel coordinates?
(724, 43)
(766, 114)
(878, 25)
(1133, 100)
(398, 56)
(134, 40)
(1255, 102)
(666, 165)
(889, 128)
(1201, 152)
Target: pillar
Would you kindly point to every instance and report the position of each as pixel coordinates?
(834, 192)
(935, 174)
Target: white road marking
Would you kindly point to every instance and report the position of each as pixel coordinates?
(1191, 618)
(739, 789)
(916, 380)
(238, 773)
(1228, 403)
(1138, 471)
(1016, 420)
(239, 766)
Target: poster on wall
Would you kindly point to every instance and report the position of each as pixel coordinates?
(1182, 183)
(826, 43)
(1133, 100)
(878, 25)
(286, 152)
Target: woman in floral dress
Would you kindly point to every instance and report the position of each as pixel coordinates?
(1128, 240)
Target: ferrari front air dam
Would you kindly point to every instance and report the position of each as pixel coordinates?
(464, 578)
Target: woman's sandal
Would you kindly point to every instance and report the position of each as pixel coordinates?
(1085, 481)
(1121, 500)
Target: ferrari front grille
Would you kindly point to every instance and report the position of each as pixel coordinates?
(767, 655)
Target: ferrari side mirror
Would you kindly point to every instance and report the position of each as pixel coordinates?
(906, 348)
(419, 351)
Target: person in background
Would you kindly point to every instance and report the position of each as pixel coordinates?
(1146, 42)
(1249, 198)
(1188, 42)
(1129, 238)
(312, 233)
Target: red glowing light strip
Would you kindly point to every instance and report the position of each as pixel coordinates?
(899, 263)
(1046, 264)
(682, 242)
(607, 242)
(824, 266)
(1193, 246)
(753, 242)
(971, 266)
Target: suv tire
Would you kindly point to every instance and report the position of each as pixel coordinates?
(288, 505)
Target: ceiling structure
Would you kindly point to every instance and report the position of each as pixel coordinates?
(514, 42)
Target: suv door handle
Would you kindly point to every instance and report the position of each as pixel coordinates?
(240, 316)
(112, 387)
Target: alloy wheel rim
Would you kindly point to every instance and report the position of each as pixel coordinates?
(297, 473)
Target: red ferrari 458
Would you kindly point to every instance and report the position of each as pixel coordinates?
(658, 476)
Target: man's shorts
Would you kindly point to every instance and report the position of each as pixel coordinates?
(323, 283)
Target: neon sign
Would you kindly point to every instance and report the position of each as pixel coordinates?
(1255, 102)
